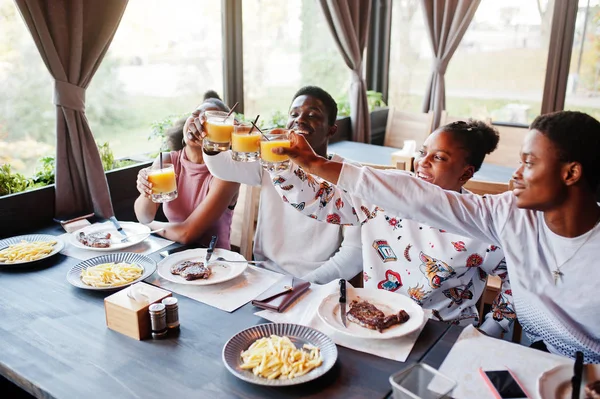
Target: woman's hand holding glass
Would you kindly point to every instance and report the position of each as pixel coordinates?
(194, 127)
(143, 185)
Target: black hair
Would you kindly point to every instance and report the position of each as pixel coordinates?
(577, 139)
(211, 94)
(476, 137)
(326, 99)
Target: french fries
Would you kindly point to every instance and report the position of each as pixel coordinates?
(277, 357)
(26, 251)
(111, 274)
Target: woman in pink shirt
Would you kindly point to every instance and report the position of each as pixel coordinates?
(204, 205)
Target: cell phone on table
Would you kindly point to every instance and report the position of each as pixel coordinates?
(504, 384)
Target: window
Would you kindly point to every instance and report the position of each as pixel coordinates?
(161, 61)
(499, 68)
(583, 84)
(410, 56)
(287, 45)
(27, 115)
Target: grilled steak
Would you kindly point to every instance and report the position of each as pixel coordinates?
(95, 240)
(178, 268)
(367, 315)
(195, 272)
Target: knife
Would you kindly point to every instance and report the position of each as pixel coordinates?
(578, 370)
(117, 226)
(343, 302)
(211, 248)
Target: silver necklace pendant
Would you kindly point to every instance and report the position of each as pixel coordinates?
(557, 275)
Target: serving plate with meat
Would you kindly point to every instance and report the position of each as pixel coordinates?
(376, 314)
(104, 237)
(189, 267)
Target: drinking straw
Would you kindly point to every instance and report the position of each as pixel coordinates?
(254, 124)
(160, 159)
(266, 138)
(230, 112)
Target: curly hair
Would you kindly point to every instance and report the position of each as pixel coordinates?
(326, 99)
(576, 136)
(477, 138)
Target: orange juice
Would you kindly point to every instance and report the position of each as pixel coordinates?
(244, 142)
(219, 132)
(267, 155)
(163, 180)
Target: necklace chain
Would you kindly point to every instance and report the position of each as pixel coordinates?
(557, 273)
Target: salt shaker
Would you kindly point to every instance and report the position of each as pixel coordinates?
(158, 320)
(172, 309)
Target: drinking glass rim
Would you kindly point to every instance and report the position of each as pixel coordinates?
(216, 113)
(154, 170)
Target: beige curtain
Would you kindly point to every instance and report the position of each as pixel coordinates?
(348, 21)
(72, 37)
(447, 21)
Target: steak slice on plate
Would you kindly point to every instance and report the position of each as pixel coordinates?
(179, 267)
(367, 315)
(196, 272)
(94, 240)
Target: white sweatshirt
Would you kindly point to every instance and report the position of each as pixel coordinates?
(566, 315)
(287, 240)
(439, 270)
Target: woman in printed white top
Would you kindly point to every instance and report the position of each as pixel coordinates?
(547, 226)
(441, 271)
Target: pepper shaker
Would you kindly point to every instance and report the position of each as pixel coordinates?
(158, 320)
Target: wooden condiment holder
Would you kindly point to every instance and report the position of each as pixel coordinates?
(128, 316)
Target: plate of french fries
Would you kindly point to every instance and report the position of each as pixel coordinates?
(28, 248)
(279, 354)
(112, 271)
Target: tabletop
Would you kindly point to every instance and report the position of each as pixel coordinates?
(377, 154)
(55, 344)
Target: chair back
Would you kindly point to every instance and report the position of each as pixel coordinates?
(487, 187)
(243, 224)
(402, 125)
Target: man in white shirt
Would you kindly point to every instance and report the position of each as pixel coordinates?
(288, 241)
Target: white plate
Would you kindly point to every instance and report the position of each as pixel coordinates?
(130, 228)
(298, 334)
(74, 275)
(556, 382)
(31, 238)
(387, 302)
(221, 271)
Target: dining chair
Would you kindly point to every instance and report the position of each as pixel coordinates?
(243, 224)
(404, 125)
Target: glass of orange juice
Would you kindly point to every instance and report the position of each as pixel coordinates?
(269, 160)
(218, 128)
(245, 143)
(164, 185)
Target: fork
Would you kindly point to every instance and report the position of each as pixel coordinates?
(251, 262)
(140, 234)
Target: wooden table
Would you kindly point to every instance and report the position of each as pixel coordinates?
(377, 154)
(55, 344)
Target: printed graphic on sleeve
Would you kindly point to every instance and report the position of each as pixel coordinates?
(366, 277)
(393, 222)
(502, 308)
(392, 281)
(418, 293)
(333, 218)
(474, 260)
(459, 246)
(299, 206)
(407, 252)
(385, 252)
(435, 270)
(339, 204)
(278, 180)
(458, 294)
(325, 194)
